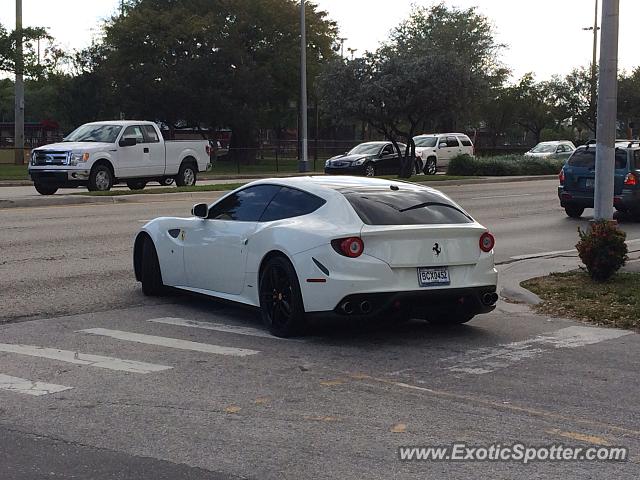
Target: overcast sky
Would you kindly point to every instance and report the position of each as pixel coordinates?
(543, 36)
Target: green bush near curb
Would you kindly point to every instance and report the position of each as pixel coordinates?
(504, 165)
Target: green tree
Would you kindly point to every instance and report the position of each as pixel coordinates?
(536, 106)
(34, 65)
(211, 62)
(629, 98)
(431, 73)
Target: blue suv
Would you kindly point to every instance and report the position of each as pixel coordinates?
(577, 179)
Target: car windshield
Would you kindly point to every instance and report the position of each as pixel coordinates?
(425, 141)
(94, 133)
(586, 158)
(404, 207)
(365, 149)
(544, 148)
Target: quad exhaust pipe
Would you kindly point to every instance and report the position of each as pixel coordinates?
(489, 299)
(350, 308)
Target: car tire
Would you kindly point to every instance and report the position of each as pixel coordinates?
(187, 175)
(574, 212)
(100, 179)
(369, 170)
(166, 181)
(431, 167)
(136, 184)
(151, 275)
(45, 189)
(281, 302)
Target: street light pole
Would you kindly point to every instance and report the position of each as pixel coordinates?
(304, 161)
(594, 72)
(18, 137)
(607, 106)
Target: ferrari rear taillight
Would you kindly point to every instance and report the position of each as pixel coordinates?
(631, 180)
(487, 242)
(561, 177)
(349, 247)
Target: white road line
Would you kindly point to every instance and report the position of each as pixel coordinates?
(170, 342)
(69, 356)
(503, 196)
(559, 252)
(28, 387)
(183, 322)
(486, 360)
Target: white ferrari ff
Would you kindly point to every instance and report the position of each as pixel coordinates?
(320, 244)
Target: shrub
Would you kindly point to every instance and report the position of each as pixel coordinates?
(602, 249)
(503, 165)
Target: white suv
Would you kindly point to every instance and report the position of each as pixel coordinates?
(434, 151)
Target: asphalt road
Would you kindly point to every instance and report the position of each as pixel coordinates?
(335, 404)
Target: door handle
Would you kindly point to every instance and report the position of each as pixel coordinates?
(146, 150)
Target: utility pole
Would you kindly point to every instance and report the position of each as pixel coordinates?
(341, 40)
(352, 51)
(607, 109)
(18, 137)
(303, 164)
(594, 76)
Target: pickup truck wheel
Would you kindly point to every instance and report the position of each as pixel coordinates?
(151, 275)
(100, 179)
(430, 168)
(136, 184)
(186, 175)
(45, 189)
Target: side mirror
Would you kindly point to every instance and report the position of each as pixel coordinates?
(200, 210)
(128, 142)
(442, 145)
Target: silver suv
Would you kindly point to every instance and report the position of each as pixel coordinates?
(434, 151)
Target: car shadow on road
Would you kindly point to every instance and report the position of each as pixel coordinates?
(338, 330)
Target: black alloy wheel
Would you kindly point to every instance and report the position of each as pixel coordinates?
(280, 298)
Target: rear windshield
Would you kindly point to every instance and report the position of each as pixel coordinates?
(586, 158)
(404, 207)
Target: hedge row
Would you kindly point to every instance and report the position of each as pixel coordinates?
(503, 165)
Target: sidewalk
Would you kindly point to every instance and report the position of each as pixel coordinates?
(24, 195)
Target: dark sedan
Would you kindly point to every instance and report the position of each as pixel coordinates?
(369, 159)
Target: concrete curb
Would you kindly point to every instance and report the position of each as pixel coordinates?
(64, 200)
(61, 200)
(511, 275)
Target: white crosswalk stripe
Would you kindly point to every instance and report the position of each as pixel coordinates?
(29, 387)
(486, 360)
(220, 327)
(170, 342)
(77, 358)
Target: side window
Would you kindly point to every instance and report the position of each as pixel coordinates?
(289, 203)
(246, 205)
(636, 158)
(150, 133)
(442, 141)
(387, 150)
(465, 141)
(134, 131)
(452, 142)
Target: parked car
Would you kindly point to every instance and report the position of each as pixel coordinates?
(370, 159)
(577, 179)
(99, 155)
(434, 151)
(554, 149)
(325, 244)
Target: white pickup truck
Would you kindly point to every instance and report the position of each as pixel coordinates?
(100, 154)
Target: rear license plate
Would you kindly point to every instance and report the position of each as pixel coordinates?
(589, 182)
(429, 276)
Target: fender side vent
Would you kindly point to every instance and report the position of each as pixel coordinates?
(324, 269)
(174, 232)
